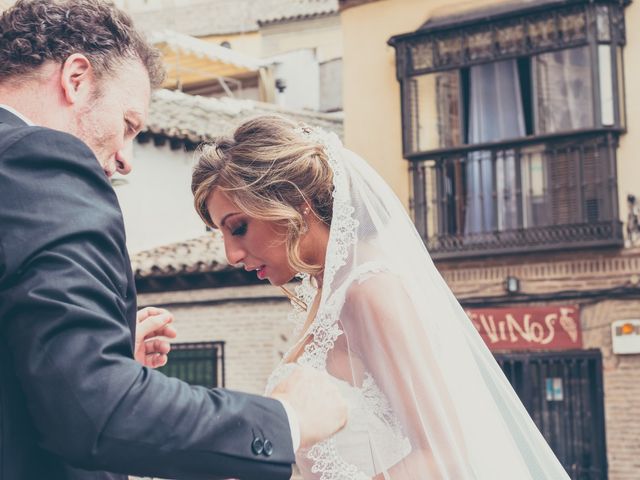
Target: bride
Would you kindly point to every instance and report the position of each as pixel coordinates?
(427, 401)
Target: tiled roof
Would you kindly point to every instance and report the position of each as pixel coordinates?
(199, 255)
(221, 17)
(204, 17)
(193, 118)
(298, 10)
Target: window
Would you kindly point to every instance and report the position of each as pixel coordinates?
(573, 85)
(197, 363)
(331, 85)
(510, 124)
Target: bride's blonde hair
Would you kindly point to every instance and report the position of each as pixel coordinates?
(271, 172)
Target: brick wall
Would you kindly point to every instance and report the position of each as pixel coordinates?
(543, 273)
(251, 320)
(621, 386)
(546, 274)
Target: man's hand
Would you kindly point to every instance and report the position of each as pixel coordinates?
(152, 336)
(320, 407)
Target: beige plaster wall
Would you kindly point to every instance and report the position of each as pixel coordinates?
(629, 150)
(322, 34)
(371, 92)
(248, 43)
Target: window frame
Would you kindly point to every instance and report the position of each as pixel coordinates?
(426, 177)
(425, 42)
(217, 359)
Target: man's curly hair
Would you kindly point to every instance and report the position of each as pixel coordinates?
(35, 31)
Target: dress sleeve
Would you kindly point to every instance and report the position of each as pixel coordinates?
(64, 288)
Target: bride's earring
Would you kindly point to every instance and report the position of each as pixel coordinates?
(305, 226)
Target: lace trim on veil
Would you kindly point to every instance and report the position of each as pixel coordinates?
(305, 291)
(324, 330)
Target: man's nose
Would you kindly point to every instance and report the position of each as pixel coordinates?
(123, 159)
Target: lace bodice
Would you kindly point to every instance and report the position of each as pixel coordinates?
(372, 440)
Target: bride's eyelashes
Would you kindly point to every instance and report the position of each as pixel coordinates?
(240, 230)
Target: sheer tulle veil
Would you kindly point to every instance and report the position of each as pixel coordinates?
(388, 326)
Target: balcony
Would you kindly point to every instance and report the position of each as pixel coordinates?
(535, 194)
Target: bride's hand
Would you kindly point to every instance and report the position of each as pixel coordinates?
(153, 334)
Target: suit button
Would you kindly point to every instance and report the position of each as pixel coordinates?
(257, 446)
(268, 448)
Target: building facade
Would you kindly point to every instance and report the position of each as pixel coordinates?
(276, 51)
(509, 131)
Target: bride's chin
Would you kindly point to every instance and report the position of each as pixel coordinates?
(279, 282)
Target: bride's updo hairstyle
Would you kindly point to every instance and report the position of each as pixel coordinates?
(271, 170)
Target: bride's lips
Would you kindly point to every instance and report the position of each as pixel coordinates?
(261, 272)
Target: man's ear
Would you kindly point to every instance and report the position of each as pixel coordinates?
(77, 78)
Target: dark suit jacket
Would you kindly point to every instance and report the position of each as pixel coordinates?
(73, 402)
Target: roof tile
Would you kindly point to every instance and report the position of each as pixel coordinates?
(221, 17)
(199, 255)
(196, 119)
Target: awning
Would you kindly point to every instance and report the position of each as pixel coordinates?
(191, 60)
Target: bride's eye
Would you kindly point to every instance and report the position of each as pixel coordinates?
(239, 230)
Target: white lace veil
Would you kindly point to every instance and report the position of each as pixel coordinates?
(387, 320)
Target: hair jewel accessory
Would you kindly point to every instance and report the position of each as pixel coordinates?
(303, 130)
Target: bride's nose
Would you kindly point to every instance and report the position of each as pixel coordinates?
(235, 253)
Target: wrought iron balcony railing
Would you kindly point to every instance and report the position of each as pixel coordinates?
(551, 193)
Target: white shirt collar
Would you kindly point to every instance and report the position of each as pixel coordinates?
(17, 114)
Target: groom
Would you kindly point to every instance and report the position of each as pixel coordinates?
(75, 81)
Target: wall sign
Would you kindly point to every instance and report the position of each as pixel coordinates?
(529, 328)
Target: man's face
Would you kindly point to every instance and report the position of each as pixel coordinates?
(109, 122)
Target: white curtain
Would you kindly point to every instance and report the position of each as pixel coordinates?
(564, 96)
(495, 113)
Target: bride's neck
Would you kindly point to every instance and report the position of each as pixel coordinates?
(315, 244)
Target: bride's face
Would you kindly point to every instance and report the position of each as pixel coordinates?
(258, 244)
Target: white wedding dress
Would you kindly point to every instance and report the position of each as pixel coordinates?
(427, 400)
(373, 439)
